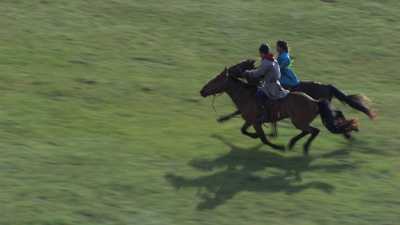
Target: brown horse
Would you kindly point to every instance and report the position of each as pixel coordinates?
(314, 89)
(299, 107)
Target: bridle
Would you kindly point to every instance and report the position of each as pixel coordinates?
(227, 74)
(216, 95)
(212, 104)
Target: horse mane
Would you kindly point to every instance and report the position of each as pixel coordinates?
(245, 87)
(243, 84)
(236, 79)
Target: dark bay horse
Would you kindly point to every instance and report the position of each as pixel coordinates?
(299, 107)
(314, 89)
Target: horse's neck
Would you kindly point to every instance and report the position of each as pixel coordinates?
(239, 94)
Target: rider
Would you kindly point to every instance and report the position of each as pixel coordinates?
(269, 73)
(288, 78)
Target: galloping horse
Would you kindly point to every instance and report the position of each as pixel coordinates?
(314, 89)
(299, 107)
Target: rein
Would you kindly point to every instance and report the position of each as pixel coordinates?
(214, 96)
(212, 104)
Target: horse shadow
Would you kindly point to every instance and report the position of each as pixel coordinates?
(239, 174)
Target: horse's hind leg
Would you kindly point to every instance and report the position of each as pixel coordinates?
(339, 117)
(296, 138)
(244, 131)
(261, 135)
(314, 133)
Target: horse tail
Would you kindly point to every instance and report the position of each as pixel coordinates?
(334, 121)
(358, 102)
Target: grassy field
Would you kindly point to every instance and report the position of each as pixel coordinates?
(101, 120)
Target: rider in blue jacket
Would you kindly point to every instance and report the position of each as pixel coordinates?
(288, 77)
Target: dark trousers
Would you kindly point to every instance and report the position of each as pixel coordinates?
(261, 98)
(290, 88)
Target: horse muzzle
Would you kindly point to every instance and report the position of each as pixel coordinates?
(203, 93)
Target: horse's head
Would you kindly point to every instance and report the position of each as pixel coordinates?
(238, 69)
(217, 85)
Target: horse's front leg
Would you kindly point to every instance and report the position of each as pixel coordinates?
(246, 126)
(225, 118)
(264, 139)
(244, 131)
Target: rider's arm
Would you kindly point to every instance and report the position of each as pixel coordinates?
(259, 72)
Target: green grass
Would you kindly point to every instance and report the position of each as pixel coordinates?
(101, 120)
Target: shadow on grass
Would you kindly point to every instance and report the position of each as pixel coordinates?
(240, 166)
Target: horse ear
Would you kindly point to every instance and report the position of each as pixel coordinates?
(226, 71)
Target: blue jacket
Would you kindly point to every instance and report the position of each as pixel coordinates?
(288, 77)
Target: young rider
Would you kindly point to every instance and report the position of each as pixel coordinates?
(269, 74)
(288, 77)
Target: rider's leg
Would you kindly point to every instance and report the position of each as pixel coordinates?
(261, 100)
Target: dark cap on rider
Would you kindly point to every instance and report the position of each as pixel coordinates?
(264, 48)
